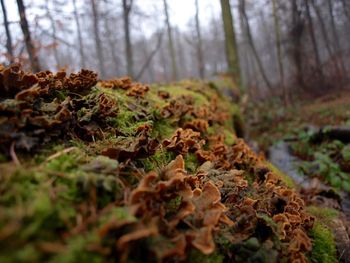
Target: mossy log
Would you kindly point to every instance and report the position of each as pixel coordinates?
(116, 171)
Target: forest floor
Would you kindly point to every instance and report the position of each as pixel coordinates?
(309, 141)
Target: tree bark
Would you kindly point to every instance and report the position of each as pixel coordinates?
(97, 38)
(8, 33)
(127, 5)
(171, 42)
(200, 56)
(279, 51)
(80, 38)
(33, 56)
(230, 41)
(253, 48)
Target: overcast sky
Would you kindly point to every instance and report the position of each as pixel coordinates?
(181, 11)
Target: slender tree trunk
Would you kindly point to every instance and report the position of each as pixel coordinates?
(148, 58)
(33, 56)
(319, 70)
(230, 41)
(335, 36)
(8, 33)
(325, 35)
(54, 34)
(182, 71)
(200, 56)
(80, 38)
(127, 5)
(296, 34)
(346, 9)
(97, 38)
(112, 47)
(253, 48)
(171, 42)
(279, 51)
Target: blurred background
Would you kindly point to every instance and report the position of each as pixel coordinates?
(270, 47)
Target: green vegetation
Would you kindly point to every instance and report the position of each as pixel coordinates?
(324, 249)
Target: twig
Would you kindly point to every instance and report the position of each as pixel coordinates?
(58, 154)
(13, 154)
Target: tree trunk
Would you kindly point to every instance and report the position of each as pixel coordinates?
(325, 35)
(127, 5)
(182, 71)
(33, 56)
(112, 47)
(251, 43)
(296, 34)
(319, 70)
(54, 34)
(336, 39)
(98, 43)
(80, 38)
(346, 9)
(279, 51)
(8, 33)
(171, 42)
(230, 41)
(200, 56)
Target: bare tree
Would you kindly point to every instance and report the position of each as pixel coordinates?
(127, 5)
(80, 38)
(325, 34)
(252, 45)
(297, 29)
(54, 34)
(170, 42)
(200, 55)
(335, 34)
(150, 56)
(97, 38)
(112, 46)
(33, 56)
(8, 33)
(279, 49)
(230, 41)
(318, 66)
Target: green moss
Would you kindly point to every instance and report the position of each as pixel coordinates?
(180, 90)
(230, 138)
(324, 214)
(324, 248)
(191, 162)
(195, 256)
(283, 177)
(77, 250)
(157, 161)
(162, 129)
(65, 162)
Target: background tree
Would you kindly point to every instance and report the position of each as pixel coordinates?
(170, 41)
(200, 55)
(230, 40)
(33, 56)
(97, 38)
(8, 33)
